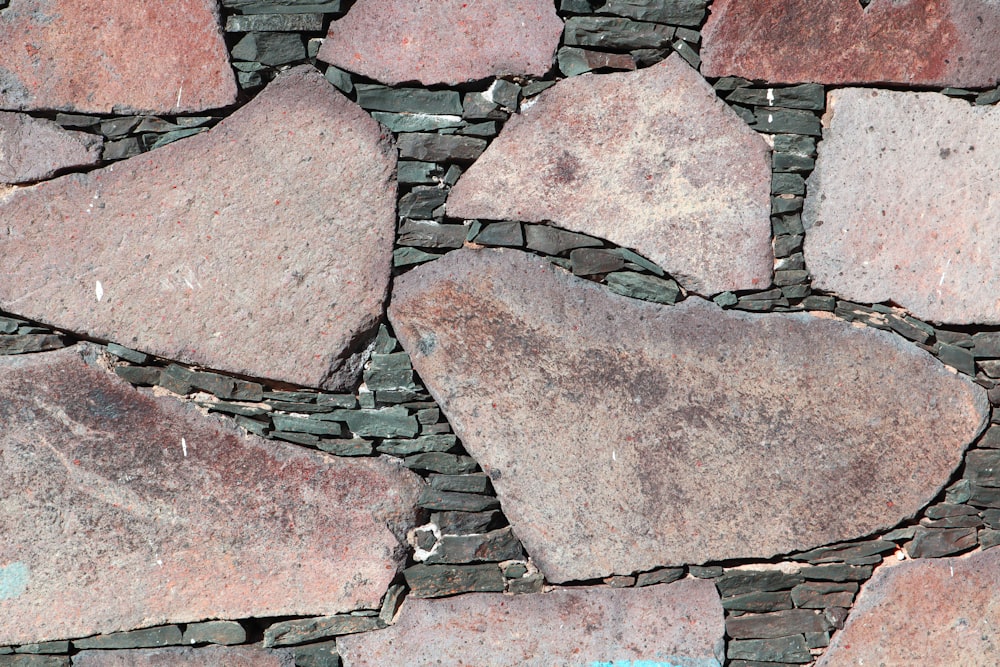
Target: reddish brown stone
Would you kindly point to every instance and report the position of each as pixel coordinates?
(651, 160)
(114, 56)
(32, 149)
(120, 510)
(261, 247)
(622, 435)
(211, 656)
(924, 612)
(917, 42)
(679, 623)
(444, 41)
(901, 205)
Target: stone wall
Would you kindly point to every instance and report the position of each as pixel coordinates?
(603, 333)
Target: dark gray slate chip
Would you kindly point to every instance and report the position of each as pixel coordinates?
(664, 575)
(270, 48)
(589, 261)
(474, 483)
(214, 632)
(166, 635)
(553, 241)
(806, 96)
(427, 234)
(507, 234)
(426, 443)
(640, 286)
(737, 582)
(304, 630)
(145, 376)
(434, 499)
(823, 594)
(937, 542)
(45, 647)
(770, 601)
(616, 33)
(782, 649)
(463, 523)
(409, 100)
(674, 12)
(275, 23)
(422, 201)
(448, 464)
(836, 573)
(30, 343)
(353, 447)
(787, 121)
(438, 147)
(495, 546)
(430, 581)
(776, 624)
(320, 654)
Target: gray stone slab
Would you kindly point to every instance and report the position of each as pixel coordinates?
(669, 432)
(213, 656)
(33, 149)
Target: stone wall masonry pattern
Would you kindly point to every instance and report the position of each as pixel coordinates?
(265, 37)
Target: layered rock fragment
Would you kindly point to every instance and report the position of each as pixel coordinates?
(622, 435)
(120, 511)
(676, 624)
(902, 205)
(444, 41)
(230, 656)
(918, 42)
(114, 56)
(32, 149)
(261, 247)
(651, 160)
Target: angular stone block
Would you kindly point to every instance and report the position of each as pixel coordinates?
(924, 612)
(261, 247)
(114, 56)
(121, 511)
(622, 435)
(675, 624)
(444, 41)
(32, 149)
(917, 42)
(651, 160)
(901, 204)
(234, 656)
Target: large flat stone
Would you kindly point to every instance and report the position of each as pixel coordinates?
(924, 612)
(623, 435)
(918, 42)
(651, 160)
(444, 41)
(902, 204)
(211, 656)
(677, 624)
(114, 56)
(261, 247)
(120, 511)
(32, 149)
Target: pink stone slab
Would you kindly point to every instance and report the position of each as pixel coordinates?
(676, 624)
(114, 56)
(916, 42)
(622, 435)
(262, 247)
(120, 511)
(210, 656)
(650, 160)
(32, 149)
(444, 41)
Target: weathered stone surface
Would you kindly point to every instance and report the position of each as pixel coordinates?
(106, 56)
(273, 231)
(924, 612)
(213, 656)
(651, 160)
(920, 42)
(443, 41)
(669, 432)
(120, 511)
(896, 209)
(32, 149)
(679, 623)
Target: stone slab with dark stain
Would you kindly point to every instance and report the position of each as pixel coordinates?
(924, 612)
(918, 42)
(902, 205)
(622, 435)
(232, 656)
(679, 623)
(444, 41)
(121, 511)
(114, 56)
(650, 160)
(262, 247)
(32, 149)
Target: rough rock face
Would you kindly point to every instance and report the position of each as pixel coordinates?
(262, 247)
(120, 511)
(444, 41)
(677, 624)
(651, 160)
(918, 42)
(900, 205)
(924, 612)
(211, 656)
(114, 56)
(32, 149)
(621, 435)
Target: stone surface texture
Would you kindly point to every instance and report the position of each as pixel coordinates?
(678, 624)
(650, 160)
(924, 612)
(444, 41)
(262, 247)
(902, 204)
(211, 656)
(114, 56)
(120, 510)
(32, 149)
(918, 42)
(622, 435)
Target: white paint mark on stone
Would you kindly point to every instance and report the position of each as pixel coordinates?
(99, 290)
(179, 91)
(770, 95)
(770, 118)
(614, 455)
(944, 272)
(184, 447)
